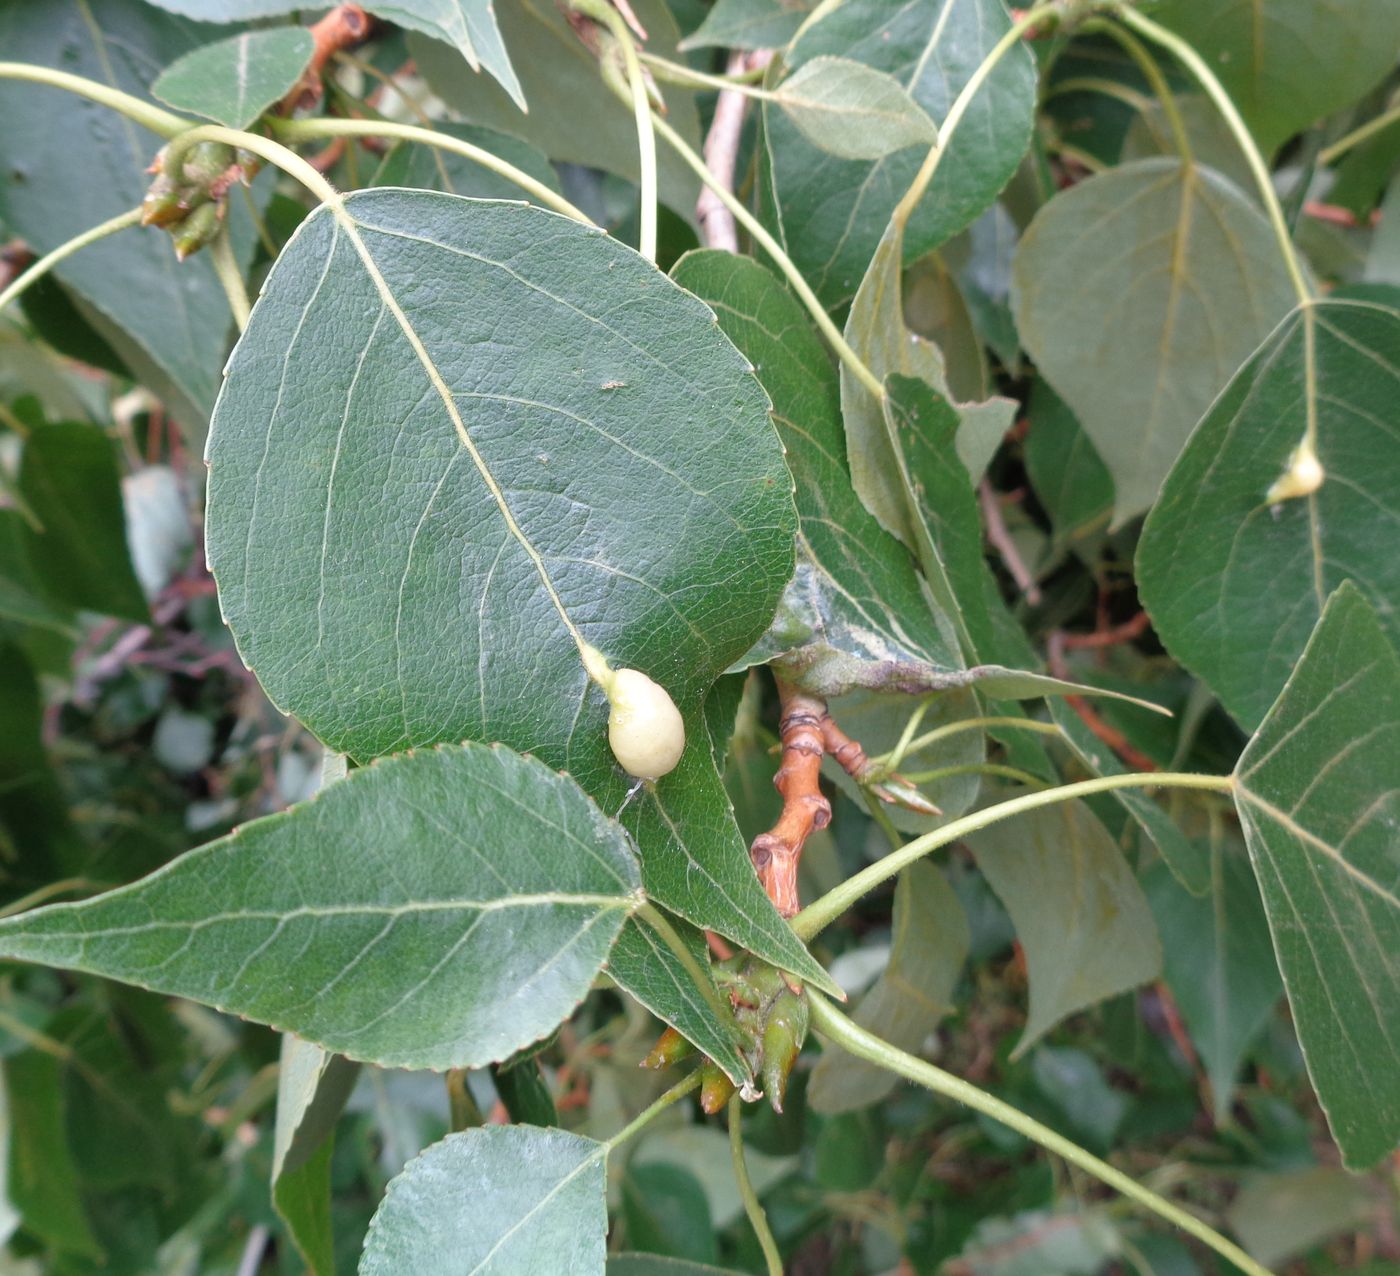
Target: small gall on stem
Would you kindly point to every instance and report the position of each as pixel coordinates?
(645, 729)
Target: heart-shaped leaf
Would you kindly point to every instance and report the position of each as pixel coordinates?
(473, 898)
(236, 80)
(1234, 583)
(495, 1201)
(1318, 792)
(1139, 292)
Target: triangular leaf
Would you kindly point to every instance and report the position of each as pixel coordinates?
(474, 895)
(1318, 792)
(236, 80)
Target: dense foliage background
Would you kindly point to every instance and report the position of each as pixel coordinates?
(1089, 270)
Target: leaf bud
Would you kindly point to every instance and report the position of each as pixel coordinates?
(198, 229)
(670, 1048)
(716, 1089)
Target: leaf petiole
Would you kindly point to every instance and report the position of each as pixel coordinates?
(143, 113)
(835, 1026)
(47, 262)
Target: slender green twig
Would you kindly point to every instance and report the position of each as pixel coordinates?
(1152, 73)
(891, 761)
(817, 916)
(976, 768)
(230, 277)
(687, 77)
(1358, 135)
(318, 129)
(646, 135)
(144, 113)
(832, 1024)
(1196, 64)
(771, 246)
(901, 750)
(752, 1207)
(47, 262)
(677, 1092)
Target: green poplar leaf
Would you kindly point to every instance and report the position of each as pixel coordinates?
(509, 1200)
(312, 1087)
(642, 964)
(41, 1178)
(1318, 792)
(573, 116)
(1289, 62)
(490, 377)
(1069, 477)
(856, 613)
(1233, 583)
(831, 211)
(469, 26)
(236, 80)
(930, 941)
(853, 111)
(1079, 912)
(1219, 964)
(71, 164)
(445, 937)
(1139, 292)
(748, 24)
(69, 481)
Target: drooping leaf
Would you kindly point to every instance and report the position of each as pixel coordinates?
(69, 481)
(936, 308)
(1234, 585)
(1289, 62)
(428, 168)
(641, 963)
(524, 362)
(1079, 912)
(71, 164)
(559, 80)
(1139, 292)
(1069, 477)
(469, 26)
(831, 211)
(312, 1087)
(234, 81)
(41, 1178)
(1219, 964)
(856, 613)
(748, 24)
(495, 1201)
(475, 897)
(1318, 792)
(929, 942)
(853, 111)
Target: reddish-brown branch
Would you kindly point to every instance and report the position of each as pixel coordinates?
(1112, 637)
(777, 853)
(717, 224)
(1110, 735)
(846, 751)
(343, 27)
(1001, 541)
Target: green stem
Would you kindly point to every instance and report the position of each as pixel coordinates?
(47, 262)
(906, 206)
(689, 78)
(892, 760)
(704, 982)
(319, 129)
(653, 1110)
(646, 134)
(977, 768)
(1130, 98)
(816, 917)
(757, 1218)
(1358, 135)
(770, 245)
(851, 1037)
(1193, 61)
(1152, 73)
(226, 267)
(144, 113)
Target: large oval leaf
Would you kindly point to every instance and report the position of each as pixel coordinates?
(1318, 792)
(455, 435)
(1234, 584)
(496, 1201)
(1138, 293)
(832, 211)
(472, 898)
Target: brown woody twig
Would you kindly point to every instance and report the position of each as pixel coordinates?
(342, 28)
(717, 223)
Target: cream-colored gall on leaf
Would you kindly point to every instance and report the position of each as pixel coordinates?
(645, 729)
